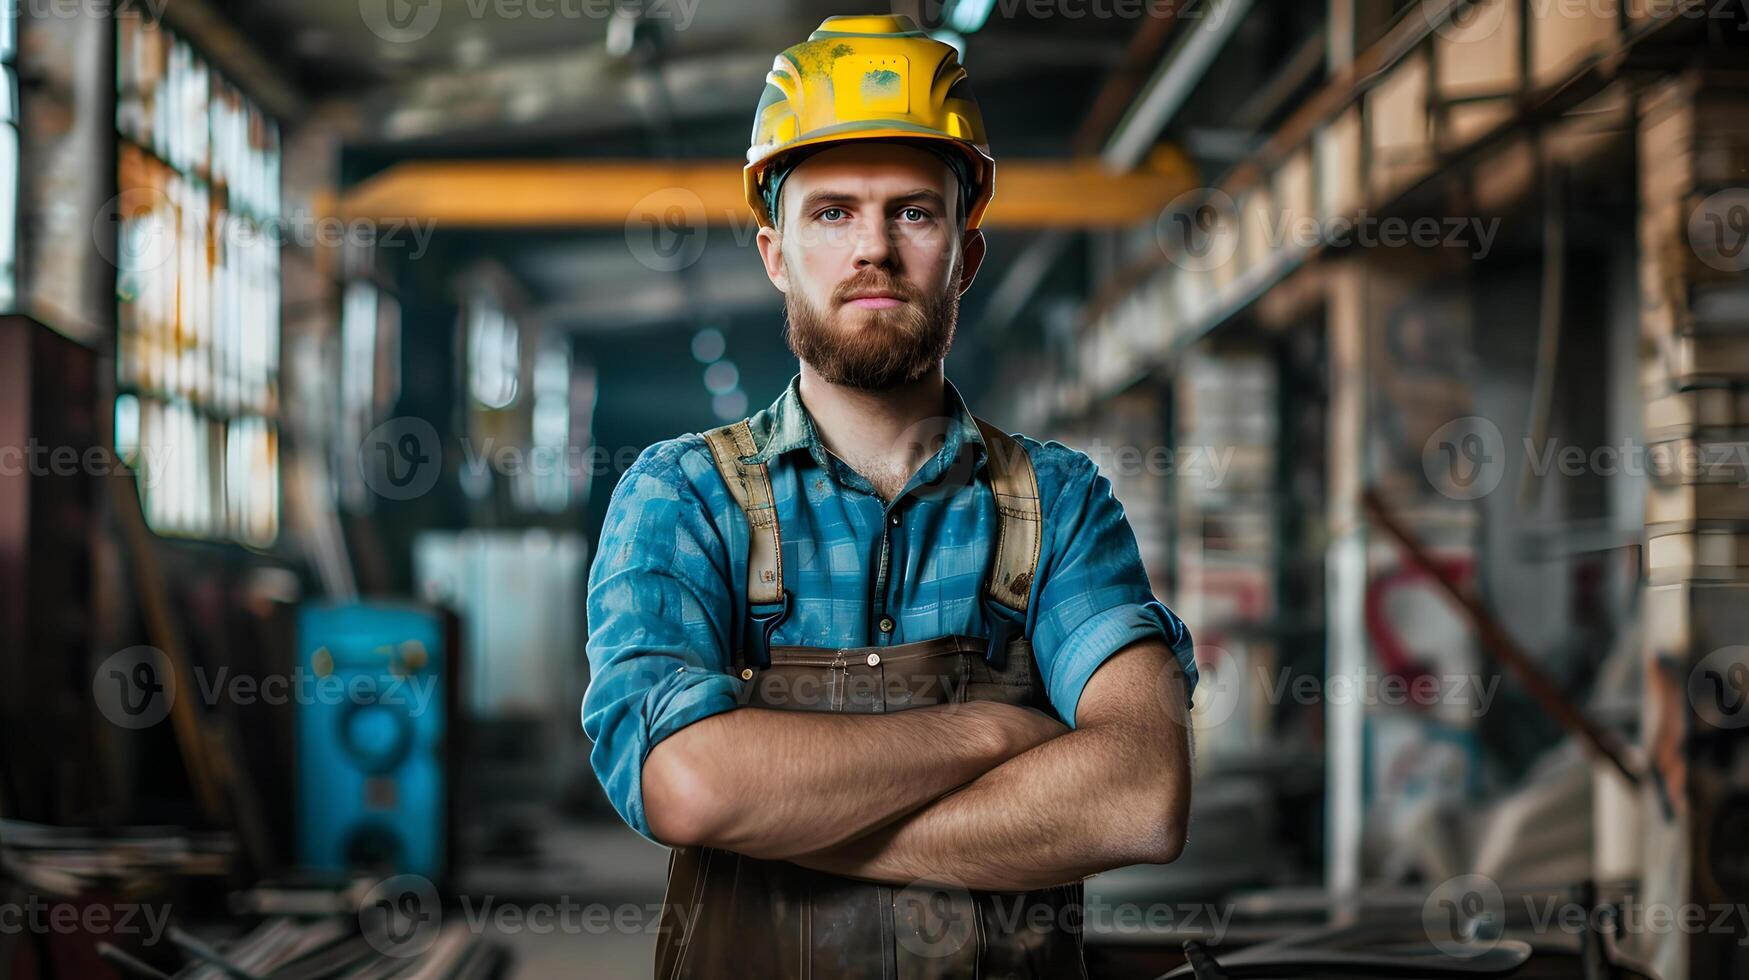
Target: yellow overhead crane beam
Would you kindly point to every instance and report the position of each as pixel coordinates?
(613, 193)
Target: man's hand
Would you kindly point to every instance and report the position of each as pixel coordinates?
(778, 784)
(1113, 792)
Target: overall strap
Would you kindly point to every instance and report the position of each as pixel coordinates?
(750, 486)
(1018, 534)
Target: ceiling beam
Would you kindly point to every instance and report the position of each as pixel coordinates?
(1173, 81)
(617, 193)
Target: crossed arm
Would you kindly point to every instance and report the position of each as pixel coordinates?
(987, 796)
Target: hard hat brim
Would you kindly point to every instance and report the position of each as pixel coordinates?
(983, 165)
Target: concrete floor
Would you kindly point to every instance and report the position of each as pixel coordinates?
(584, 908)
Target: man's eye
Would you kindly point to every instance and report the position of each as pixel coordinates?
(831, 214)
(914, 214)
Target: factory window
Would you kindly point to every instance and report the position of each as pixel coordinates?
(494, 353)
(549, 484)
(197, 289)
(370, 367)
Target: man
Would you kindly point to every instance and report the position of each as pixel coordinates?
(890, 681)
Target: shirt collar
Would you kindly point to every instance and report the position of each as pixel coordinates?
(785, 426)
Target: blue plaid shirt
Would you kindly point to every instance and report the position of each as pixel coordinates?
(668, 589)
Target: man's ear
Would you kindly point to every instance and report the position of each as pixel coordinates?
(972, 251)
(770, 242)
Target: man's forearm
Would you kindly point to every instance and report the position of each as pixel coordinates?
(775, 784)
(1045, 817)
(1111, 793)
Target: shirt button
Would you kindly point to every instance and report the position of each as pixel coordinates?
(895, 519)
(874, 660)
(746, 673)
(886, 624)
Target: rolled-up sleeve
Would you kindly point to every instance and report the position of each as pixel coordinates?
(1093, 597)
(659, 607)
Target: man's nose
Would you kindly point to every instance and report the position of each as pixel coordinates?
(872, 244)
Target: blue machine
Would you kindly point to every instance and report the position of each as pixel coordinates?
(372, 713)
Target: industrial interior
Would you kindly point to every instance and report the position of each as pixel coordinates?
(1412, 335)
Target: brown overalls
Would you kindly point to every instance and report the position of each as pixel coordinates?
(732, 916)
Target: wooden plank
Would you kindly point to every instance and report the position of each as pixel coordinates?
(1564, 33)
(1401, 131)
(1479, 55)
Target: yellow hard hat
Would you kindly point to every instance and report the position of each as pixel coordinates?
(875, 77)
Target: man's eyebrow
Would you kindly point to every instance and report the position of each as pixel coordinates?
(816, 199)
(924, 195)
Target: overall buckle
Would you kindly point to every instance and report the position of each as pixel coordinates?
(758, 652)
(1004, 624)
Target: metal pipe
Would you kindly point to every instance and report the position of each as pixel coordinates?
(1172, 83)
(1506, 651)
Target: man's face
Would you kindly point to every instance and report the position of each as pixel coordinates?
(871, 262)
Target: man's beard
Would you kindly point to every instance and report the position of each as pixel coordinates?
(873, 350)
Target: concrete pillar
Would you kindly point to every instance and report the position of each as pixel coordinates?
(1346, 578)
